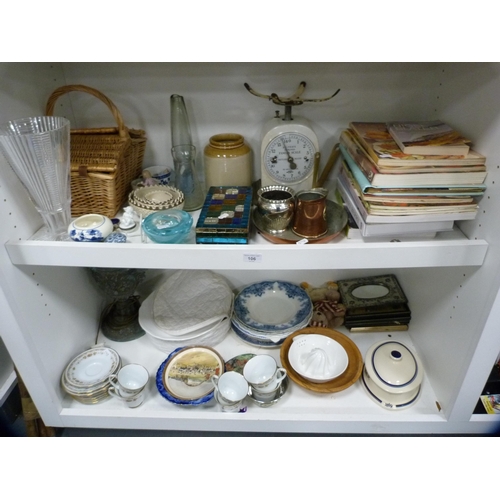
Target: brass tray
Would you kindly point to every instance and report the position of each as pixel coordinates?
(340, 383)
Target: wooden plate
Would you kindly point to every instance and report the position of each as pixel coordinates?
(342, 382)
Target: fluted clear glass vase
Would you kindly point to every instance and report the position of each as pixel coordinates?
(38, 150)
(186, 176)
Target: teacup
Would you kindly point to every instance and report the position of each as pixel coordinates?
(160, 173)
(263, 374)
(231, 389)
(132, 401)
(130, 380)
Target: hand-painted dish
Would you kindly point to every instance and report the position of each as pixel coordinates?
(188, 373)
(164, 390)
(237, 363)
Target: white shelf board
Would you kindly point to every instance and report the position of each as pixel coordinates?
(447, 249)
(300, 410)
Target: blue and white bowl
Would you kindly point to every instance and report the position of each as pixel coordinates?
(90, 228)
(160, 173)
(272, 306)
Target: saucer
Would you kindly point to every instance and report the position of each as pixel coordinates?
(336, 219)
(279, 394)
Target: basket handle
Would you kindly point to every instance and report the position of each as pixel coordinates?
(49, 110)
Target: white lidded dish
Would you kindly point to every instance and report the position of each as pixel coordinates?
(392, 375)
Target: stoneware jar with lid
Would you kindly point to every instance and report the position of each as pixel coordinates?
(228, 161)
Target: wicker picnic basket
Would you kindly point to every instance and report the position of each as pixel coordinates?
(104, 161)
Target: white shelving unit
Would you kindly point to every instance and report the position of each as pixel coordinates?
(50, 308)
(8, 378)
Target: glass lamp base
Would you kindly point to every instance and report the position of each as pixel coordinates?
(121, 323)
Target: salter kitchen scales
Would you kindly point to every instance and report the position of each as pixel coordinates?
(289, 148)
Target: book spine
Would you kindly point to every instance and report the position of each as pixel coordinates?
(358, 174)
(358, 155)
(369, 151)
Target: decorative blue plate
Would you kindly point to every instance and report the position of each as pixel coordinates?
(256, 341)
(168, 396)
(272, 306)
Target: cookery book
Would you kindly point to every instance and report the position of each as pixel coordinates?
(350, 191)
(368, 176)
(491, 403)
(428, 138)
(404, 231)
(379, 145)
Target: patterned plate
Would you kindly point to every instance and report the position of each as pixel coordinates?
(92, 367)
(272, 306)
(168, 396)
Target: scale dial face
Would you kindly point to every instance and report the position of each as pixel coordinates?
(289, 158)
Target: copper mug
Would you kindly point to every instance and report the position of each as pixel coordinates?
(310, 213)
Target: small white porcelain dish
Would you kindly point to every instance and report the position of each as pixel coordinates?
(317, 358)
(90, 228)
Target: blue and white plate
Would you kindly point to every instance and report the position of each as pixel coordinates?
(168, 396)
(267, 334)
(272, 306)
(271, 342)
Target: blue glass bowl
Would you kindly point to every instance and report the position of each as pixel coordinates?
(167, 226)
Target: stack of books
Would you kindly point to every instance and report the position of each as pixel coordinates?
(389, 192)
(376, 303)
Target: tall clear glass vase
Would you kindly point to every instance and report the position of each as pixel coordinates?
(184, 155)
(38, 150)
